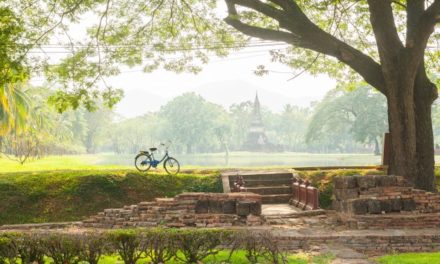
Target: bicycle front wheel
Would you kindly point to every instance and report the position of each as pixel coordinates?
(142, 162)
(172, 166)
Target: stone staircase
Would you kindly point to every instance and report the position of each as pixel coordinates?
(274, 187)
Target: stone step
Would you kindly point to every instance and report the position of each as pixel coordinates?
(266, 183)
(276, 198)
(270, 190)
(268, 176)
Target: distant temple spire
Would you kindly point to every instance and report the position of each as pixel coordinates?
(256, 138)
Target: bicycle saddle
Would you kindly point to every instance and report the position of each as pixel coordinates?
(153, 149)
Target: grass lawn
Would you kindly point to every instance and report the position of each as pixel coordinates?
(411, 258)
(50, 163)
(70, 195)
(213, 160)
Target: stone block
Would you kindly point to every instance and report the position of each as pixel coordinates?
(202, 207)
(374, 207)
(357, 206)
(402, 182)
(387, 180)
(408, 204)
(243, 208)
(396, 205)
(385, 206)
(229, 207)
(345, 194)
(215, 207)
(366, 182)
(255, 208)
(337, 205)
(345, 182)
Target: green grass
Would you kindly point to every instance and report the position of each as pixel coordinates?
(411, 258)
(50, 163)
(51, 196)
(237, 258)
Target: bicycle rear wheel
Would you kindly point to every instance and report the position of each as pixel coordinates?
(142, 162)
(172, 166)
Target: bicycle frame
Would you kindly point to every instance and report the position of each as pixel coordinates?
(155, 162)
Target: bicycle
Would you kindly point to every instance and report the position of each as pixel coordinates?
(145, 160)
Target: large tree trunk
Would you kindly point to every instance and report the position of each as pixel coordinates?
(409, 114)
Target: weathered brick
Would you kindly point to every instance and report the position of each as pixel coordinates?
(345, 182)
(408, 204)
(202, 207)
(374, 207)
(243, 208)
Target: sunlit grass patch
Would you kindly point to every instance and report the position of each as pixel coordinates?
(411, 258)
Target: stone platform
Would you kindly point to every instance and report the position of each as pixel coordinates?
(184, 210)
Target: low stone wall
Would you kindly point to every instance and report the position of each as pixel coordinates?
(384, 201)
(370, 242)
(187, 209)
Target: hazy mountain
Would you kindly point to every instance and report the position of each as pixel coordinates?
(230, 92)
(139, 101)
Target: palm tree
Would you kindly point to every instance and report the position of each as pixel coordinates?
(14, 107)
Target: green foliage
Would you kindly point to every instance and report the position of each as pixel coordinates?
(159, 245)
(62, 247)
(195, 245)
(361, 114)
(8, 252)
(93, 246)
(191, 122)
(71, 195)
(127, 243)
(66, 246)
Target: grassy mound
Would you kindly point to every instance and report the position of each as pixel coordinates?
(35, 197)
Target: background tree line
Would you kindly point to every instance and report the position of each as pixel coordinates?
(350, 119)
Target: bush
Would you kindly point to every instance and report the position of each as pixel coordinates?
(62, 248)
(159, 245)
(249, 242)
(258, 245)
(92, 246)
(8, 252)
(197, 244)
(29, 247)
(128, 245)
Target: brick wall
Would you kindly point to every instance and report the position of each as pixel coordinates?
(384, 201)
(187, 209)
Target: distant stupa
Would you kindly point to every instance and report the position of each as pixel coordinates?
(256, 138)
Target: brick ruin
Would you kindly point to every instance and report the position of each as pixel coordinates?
(384, 201)
(185, 210)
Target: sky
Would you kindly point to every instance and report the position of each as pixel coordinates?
(223, 81)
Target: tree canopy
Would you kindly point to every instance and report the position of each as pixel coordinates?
(390, 44)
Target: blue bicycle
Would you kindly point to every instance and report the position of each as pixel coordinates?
(145, 160)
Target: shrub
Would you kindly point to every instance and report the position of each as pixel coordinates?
(249, 241)
(159, 245)
(29, 247)
(8, 252)
(62, 248)
(197, 244)
(92, 246)
(271, 250)
(127, 243)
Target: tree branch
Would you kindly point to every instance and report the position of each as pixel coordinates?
(304, 33)
(385, 31)
(423, 26)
